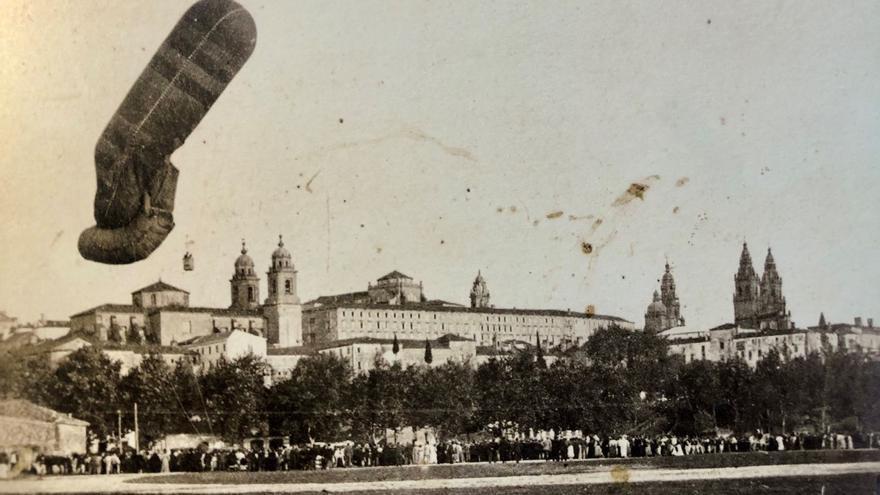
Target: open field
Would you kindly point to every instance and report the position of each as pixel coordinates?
(853, 484)
(485, 470)
(852, 472)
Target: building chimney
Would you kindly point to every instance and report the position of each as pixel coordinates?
(858, 321)
(870, 322)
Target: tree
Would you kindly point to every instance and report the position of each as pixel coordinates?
(382, 398)
(697, 394)
(315, 402)
(235, 394)
(27, 376)
(86, 385)
(736, 379)
(539, 352)
(630, 372)
(149, 385)
(429, 357)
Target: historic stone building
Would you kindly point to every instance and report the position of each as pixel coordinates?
(160, 313)
(758, 302)
(731, 341)
(394, 307)
(359, 314)
(665, 310)
(480, 292)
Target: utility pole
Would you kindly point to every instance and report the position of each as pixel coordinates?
(137, 435)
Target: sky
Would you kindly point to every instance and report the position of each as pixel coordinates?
(441, 138)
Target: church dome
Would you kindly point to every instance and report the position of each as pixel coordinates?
(244, 262)
(656, 307)
(280, 252)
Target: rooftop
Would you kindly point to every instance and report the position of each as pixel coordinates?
(214, 337)
(429, 306)
(393, 276)
(112, 308)
(159, 286)
(299, 350)
(213, 311)
(438, 343)
(17, 408)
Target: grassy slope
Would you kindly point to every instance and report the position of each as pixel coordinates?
(447, 471)
(850, 484)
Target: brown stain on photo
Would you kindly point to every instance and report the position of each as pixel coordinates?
(682, 181)
(554, 215)
(309, 183)
(586, 247)
(574, 218)
(620, 474)
(636, 190)
(412, 133)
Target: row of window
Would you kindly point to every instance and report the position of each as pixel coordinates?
(215, 349)
(418, 315)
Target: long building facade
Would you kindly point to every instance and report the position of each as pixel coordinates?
(361, 314)
(393, 308)
(762, 324)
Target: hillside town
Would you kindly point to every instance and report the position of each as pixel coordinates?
(368, 334)
(362, 326)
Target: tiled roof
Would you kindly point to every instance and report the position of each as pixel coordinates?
(18, 408)
(159, 286)
(17, 340)
(54, 323)
(299, 350)
(393, 275)
(213, 338)
(498, 311)
(207, 339)
(689, 340)
(346, 298)
(726, 326)
(441, 302)
(214, 311)
(439, 343)
(111, 308)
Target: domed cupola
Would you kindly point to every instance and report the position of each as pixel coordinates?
(244, 264)
(657, 307)
(281, 257)
(244, 285)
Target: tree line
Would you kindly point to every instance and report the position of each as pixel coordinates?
(619, 382)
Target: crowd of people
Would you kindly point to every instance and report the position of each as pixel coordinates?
(543, 446)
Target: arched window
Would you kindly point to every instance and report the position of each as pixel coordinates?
(288, 286)
(251, 294)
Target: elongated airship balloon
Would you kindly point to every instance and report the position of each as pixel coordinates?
(136, 180)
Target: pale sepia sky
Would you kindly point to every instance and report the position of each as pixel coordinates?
(463, 125)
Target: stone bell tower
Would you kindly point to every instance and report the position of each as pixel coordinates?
(245, 283)
(282, 308)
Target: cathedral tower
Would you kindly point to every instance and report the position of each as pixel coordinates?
(479, 292)
(245, 284)
(771, 288)
(655, 318)
(772, 303)
(670, 299)
(746, 299)
(283, 310)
